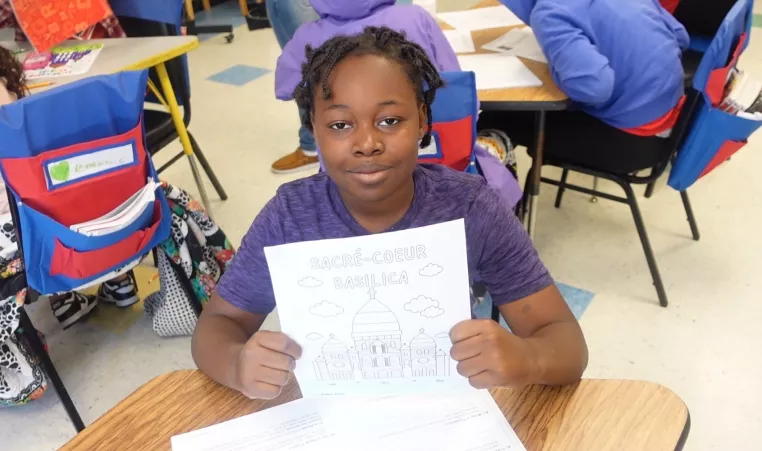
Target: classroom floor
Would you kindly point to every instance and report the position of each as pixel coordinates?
(702, 346)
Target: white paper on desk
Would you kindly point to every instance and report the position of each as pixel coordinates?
(469, 421)
(498, 71)
(519, 42)
(481, 18)
(373, 313)
(460, 41)
(297, 425)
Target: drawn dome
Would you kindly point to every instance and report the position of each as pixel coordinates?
(422, 340)
(374, 318)
(333, 346)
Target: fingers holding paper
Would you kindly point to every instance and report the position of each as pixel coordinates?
(490, 356)
(265, 364)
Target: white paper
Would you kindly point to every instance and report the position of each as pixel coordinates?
(297, 425)
(460, 41)
(519, 42)
(498, 71)
(468, 421)
(481, 18)
(373, 313)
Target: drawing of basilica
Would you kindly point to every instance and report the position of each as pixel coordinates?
(378, 351)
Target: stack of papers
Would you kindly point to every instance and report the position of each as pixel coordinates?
(498, 71)
(123, 215)
(743, 95)
(518, 42)
(481, 18)
(456, 422)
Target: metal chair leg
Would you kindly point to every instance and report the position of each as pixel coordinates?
(650, 190)
(30, 333)
(652, 266)
(691, 217)
(207, 168)
(561, 187)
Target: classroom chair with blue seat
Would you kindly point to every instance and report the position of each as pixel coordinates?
(69, 156)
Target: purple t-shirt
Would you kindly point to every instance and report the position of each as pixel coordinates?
(499, 251)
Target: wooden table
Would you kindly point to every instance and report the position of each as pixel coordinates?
(547, 97)
(136, 54)
(592, 415)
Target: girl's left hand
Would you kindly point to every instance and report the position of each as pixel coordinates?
(490, 356)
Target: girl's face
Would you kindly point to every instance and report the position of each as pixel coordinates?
(368, 131)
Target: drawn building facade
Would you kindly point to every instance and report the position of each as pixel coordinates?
(378, 351)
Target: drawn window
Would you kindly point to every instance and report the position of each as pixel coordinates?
(379, 349)
(394, 344)
(364, 346)
(375, 364)
(386, 361)
(418, 351)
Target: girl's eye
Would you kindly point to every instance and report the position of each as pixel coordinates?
(389, 122)
(339, 126)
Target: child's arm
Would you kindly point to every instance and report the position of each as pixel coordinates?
(582, 72)
(288, 70)
(545, 345)
(227, 343)
(229, 348)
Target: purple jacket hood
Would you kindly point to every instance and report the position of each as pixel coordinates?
(347, 9)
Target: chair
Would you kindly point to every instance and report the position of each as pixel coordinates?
(72, 165)
(160, 129)
(195, 30)
(685, 131)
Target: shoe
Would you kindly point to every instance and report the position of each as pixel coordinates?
(72, 308)
(122, 294)
(295, 161)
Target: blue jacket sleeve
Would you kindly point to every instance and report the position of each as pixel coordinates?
(444, 56)
(288, 70)
(583, 73)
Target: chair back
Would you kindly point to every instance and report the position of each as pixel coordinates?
(454, 115)
(713, 135)
(72, 155)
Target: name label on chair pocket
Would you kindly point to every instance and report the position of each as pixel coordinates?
(88, 164)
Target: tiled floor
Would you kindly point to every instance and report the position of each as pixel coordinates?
(705, 345)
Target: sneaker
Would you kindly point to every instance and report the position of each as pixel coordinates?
(123, 293)
(295, 161)
(72, 308)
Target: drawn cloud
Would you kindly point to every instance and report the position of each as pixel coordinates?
(439, 335)
(314, 336)
(430, 270)
(421, 303)
(310, 282)
(432, 312)
(326, 309)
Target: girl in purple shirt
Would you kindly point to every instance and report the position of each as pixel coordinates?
(367, 99)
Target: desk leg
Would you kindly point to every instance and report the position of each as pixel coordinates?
(182, 132)
(534, 192)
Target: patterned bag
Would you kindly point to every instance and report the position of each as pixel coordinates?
(191, 262)
(21, 376)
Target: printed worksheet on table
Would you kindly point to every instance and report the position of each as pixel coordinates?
(373, 313)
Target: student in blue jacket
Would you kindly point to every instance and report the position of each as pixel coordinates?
(619, 63)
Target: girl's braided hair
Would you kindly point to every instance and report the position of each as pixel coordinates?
(381, 41)
(13, 73)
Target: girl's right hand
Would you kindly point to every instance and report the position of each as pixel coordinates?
(265, 364)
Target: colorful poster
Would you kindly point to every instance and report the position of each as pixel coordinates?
(47, 23)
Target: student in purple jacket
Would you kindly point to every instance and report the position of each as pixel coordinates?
(367, 99)
(348, 17)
